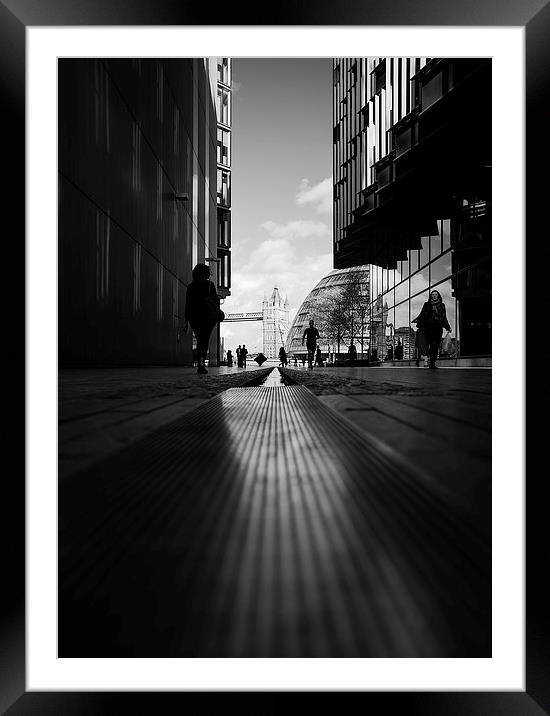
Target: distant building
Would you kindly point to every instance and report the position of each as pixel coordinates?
(332, 282)
(137, 205)
(406, 336)
(275, 323)
(412, 185)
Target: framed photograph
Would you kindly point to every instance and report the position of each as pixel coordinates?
(38, 45)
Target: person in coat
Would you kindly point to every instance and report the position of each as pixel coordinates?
(200, 311)
(432, 319)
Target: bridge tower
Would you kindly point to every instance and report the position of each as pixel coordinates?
(275, 323)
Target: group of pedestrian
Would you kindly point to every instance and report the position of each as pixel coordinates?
(202, 313)
(241, 352)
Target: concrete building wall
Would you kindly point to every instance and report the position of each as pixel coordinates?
(131, 135)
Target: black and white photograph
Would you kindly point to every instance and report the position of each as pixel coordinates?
(274, 357)
(275, 351)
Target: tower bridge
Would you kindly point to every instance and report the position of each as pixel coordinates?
(274, 317)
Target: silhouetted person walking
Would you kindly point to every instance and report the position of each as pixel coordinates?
(310, 336)
(282, 356)
(229, 359)
(352, 352)
(202, 311)
(319, 357)
(244, 353)
(432, 319)
(239, 357)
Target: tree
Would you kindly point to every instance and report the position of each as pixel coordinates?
(356, 300)
(333, 317)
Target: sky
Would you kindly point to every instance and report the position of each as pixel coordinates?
(281, 186)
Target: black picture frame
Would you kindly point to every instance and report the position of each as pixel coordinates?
(15, 17)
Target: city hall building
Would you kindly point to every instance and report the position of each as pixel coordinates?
(144, 194)
(412, 191)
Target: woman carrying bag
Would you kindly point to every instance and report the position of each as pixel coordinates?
(202, 311)
(432, 319)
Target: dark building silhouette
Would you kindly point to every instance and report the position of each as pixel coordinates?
(412, 186)
(138, 206)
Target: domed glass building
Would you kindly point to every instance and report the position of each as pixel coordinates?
(310, 308)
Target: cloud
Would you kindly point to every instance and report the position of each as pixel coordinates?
(318, 196)
(297, 229)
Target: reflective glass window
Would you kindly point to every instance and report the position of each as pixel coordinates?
(402, 292)
(420, 281)
(389, 298)
(425, 251)
(435, 243)
(440, 268)
(413, 260)
(445, 234)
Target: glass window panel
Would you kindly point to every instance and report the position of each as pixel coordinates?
(445, 234)
(402, 292)
(402, 331)
(389, 298)
(440, 268)
(420, 281)
(413, 260)
(405, 268)
(425, 250)
(435, 242)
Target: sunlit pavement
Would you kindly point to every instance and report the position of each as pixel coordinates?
(347, 514)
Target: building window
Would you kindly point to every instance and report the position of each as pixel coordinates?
(380, 77)
(224, 147)
(224, 229)
(223, 70)
(223, 106)
(224, 188)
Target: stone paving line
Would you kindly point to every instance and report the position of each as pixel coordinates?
(102, 410)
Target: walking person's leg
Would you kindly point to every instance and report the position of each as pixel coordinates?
(433, 345)
(202, 334)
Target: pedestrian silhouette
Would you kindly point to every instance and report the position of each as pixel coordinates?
(239, 358)
(282, 356)
(244, 353)
(310, 336)
(296, 360)
(432, 319)
(352, 352)
(229, 359)
(202, 311)
(318, 357)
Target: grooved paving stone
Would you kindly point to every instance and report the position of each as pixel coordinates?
(262, 525)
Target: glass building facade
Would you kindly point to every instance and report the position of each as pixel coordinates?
(223, 179)
(311, 307)
(412, 193)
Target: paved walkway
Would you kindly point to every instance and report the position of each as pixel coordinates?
(267, 521)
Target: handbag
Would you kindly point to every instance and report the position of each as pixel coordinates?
(213, 310)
